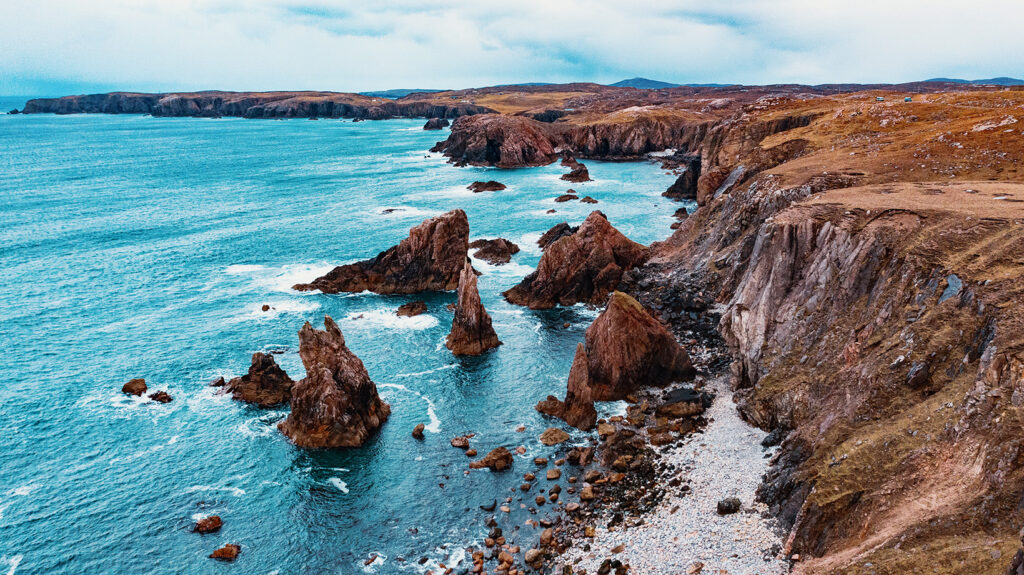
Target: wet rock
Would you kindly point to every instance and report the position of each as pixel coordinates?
(774, 438)
(582, 267)
(499, 459)
(461, 442)
(219, 382)
(472, 332)
(557, 231)
(417, 431)
(488, 186)
(411, 309)
(588, 200)
(208, 524)
(431, 258)
(495, 252)
(681, 214)
(161, 397)
(729, 505)
(266, 384)
(566, 198)
(578, 408)
(228, 552)
(336, 404)
(553, 436)
(436, 124)
(266, 307)
(626, 350)
(490, 506)
(577, 174)
(134, 387)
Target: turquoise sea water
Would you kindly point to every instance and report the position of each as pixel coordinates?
(133, 246)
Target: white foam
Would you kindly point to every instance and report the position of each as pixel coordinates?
(281, 278)
(386, 318)
(254, 312)
(142, 453)
(435, 422)
(341, 485)
(237, 492)
(429, 371)
(406, 212)
(22, 491)
(528, 243)
(238, 269)
(378, 560)
(456, 192)
(511, 268)
(13, 561)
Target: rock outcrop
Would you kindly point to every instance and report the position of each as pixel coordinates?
(499, 459)
(431, 258)
(266, 384)
(578, 408)
(556, 232)
(488, 186)
(336, 404)
(625, 350)
(498, 140)
(411, 309)
(495, 252)
(135, 386)
(582, 267)
(578, 174)
(472, 333)
(436, 124)
(685, 186)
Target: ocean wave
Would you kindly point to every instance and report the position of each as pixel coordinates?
(509, 269)
(144, 452)
(12, 562)
(337, 482)
(406, 212)
(387, 319)
(281, 278)
(254, 311)
(528, 243)
(236, 491)
(435, 422)
(429, 371)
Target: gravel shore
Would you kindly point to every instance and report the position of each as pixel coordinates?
(725, 460)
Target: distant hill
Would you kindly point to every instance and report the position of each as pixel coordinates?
(396, 93)
(643, 84)
(1001, 81)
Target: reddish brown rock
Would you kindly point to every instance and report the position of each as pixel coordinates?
(208, 524)
(161, 397)
(336, 404)
(566, 197)
(429, 259)
(499, 459)
(556, 232)
(582, 267)
(578, 174)
(472, 333)
(411, 309)
(578, 408)
(228, 552)
(488, 186)
(495, 252)
(499, 140)
(134, 387)
(626, 349)
(266, 384)
(417, 431)
(587, 200)
(685, 186)
(436, 124)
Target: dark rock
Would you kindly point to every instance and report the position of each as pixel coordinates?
(495, 252)
(499, 459)
(919, 375)
(578, 174)
(417, 431)
(134, 387)
(472, 332)
(685, 186)
(556, 232)
(436, 124)
(228, 552)
(683, 402)
(729, 505)
(411, 309)
(161, 397)
(266, 384)
(499, 140)
(566, 198)
(489, 186)
(208, 524)
(588, 200)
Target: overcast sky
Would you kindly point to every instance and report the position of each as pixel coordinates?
(50, 47)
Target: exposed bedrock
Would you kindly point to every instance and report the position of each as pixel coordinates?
(625, 350)
(250, 105)
(336, 404)
(685, 186)
(431, 258)
(495, 252)
(497, 140)
(472, 332)
(436, 124)
(581, 267)
(578, 407)
(266, 384)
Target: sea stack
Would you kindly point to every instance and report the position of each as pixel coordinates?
(266, 384)
(336, 404)
(578, 408)
(626, 349)
(429, 259)
(472, 333)
(583, 266)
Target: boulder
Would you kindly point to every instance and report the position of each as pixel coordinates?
(577, 174)
(266, 384)
(429, 259)
(228, 552)
(553, 436)
(488, 186)
(134, 387)
(417, 431)
(729, 505)
(587, 200)
(161, 397)
(472, 333)
(566, 198)
(582, 267)
(436, 124)
(683, 402)
(578, 408)
(626, 349)
(208, 524)
(336, 404)
(495, 252)
(411, 309)
(499, 459)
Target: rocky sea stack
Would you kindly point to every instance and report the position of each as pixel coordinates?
(472, 333)
(429, 259)
(436, 124)
(580, 267)
(336, 404)
(266, 384)
(498, 140)
(626, 349)
(578, 408)
(495, 252)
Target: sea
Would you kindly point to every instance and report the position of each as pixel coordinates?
(142, 247)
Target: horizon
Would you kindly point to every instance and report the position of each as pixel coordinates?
(59, 47)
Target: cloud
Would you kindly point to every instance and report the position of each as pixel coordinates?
(351, 46)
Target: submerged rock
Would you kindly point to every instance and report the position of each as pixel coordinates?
(429, 259)
(436, 124)
(495, 252)
(488, 186)
(582, 267)
(411, 309)
(161, 397)
(626, 349)
(472, 332)
(135, 386)
(499, 459)
(336, 404)
(266, 384)
(566, 197)
(578, 408)
(587, 200)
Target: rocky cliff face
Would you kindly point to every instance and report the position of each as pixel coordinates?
(266, 384)
(626, 349)
(251, 105)
(497, 140)
(578, 408)
(472, 333)
(431, 258)
(582, 267)
(336, 404)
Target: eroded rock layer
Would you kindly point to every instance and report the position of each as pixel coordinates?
(472, 333)
(578, 408)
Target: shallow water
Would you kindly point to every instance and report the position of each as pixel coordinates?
(134, 246)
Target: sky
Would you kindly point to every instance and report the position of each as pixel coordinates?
(55, 47)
